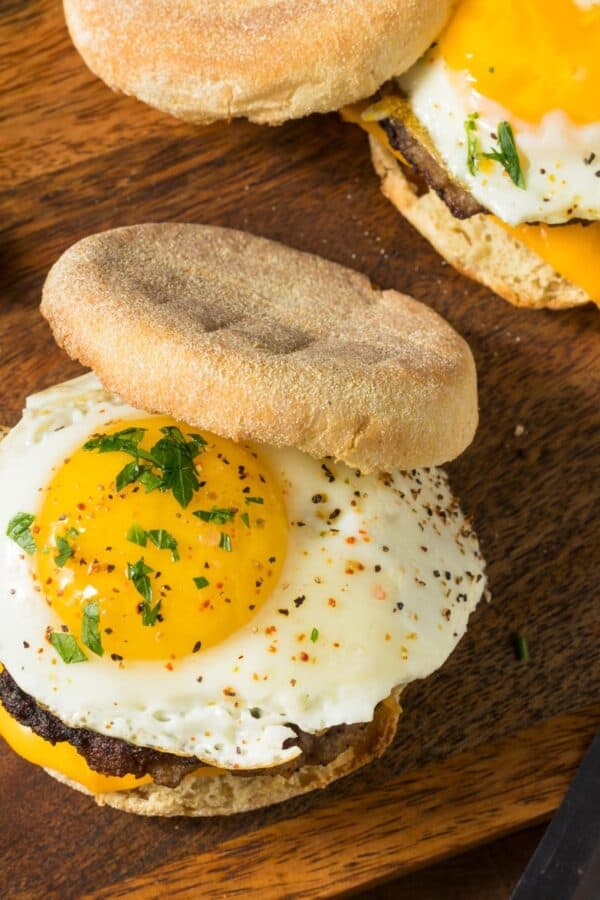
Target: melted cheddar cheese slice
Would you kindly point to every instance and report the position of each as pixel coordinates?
(62, 758)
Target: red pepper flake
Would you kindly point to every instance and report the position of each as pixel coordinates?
(81, 506)
(169, 666)
(229, 692)
(351, 540)
(304, 656)
(332, 601)
(271, 629)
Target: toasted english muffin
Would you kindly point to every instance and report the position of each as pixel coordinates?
(218, 59)
(222, 793)
(251, 339)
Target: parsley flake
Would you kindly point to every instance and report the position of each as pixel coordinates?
(521, 648)
(137, 535)
(507, 155)
(67, 647)
(225, 542)
(314, 635)
(19, 530)
(149, 480)
(65, 551)
(473, 151)
(138, 574)
(90, 628)
(220, 516)
(254, 500)
(125, 441)
(201, 582)
(128, 474)
(164, 541)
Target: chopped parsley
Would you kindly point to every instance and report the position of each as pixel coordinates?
(19, 530)
(138, 574)
(254, 500)
(149, 480)
(220, 516)
(175, 457)
(507, 155)
(65, 551)
(225, 542)
(125, 441)
(67, 647)
(128, 474)
(172, 455)
(90, 628)
(137, 535)
(164, 541)
(314, 635)
(245, 519)
(201, 582)
(158, 536)
(473, 151)
(521, 648)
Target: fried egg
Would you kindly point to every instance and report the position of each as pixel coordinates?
(536, 67)
(202, 600)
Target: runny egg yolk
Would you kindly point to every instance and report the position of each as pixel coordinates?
(532, 57)
(110, 557)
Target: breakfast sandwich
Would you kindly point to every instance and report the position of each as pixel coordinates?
(490, 146)
(228, 548)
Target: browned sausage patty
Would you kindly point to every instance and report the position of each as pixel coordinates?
(459, 201)
(113, 756)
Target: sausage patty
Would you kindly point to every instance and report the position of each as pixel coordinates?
(459, 201)
(113, 756)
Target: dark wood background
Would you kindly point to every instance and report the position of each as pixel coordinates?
(496, 740)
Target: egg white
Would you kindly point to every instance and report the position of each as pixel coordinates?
(432, 575)
(559, 185)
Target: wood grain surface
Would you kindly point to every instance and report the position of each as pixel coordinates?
(414, 818)
(75, 159)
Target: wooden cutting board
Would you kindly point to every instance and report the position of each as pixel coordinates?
(486, 745)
